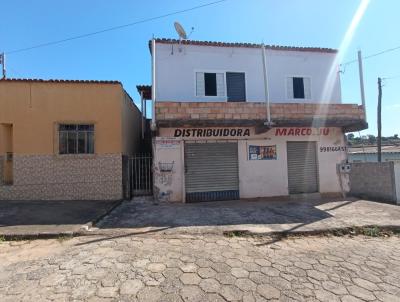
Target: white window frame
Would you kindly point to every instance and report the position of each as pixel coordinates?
(224, 96)
(290, 98)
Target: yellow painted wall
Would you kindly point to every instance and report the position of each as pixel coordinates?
(34, 109)
(6, 145)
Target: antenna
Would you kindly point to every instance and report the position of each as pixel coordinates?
(191, 31)
(181, 32)
(3, 64)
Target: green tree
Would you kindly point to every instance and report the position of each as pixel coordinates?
(371, 139)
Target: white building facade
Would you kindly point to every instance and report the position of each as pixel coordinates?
(246, 121)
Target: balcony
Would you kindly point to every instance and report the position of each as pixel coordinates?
(350, 117)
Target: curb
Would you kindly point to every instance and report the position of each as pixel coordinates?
(382, 230)
(17, 237)
(376, 231)
(97, 219)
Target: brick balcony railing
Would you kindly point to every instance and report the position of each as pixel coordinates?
(283, 114)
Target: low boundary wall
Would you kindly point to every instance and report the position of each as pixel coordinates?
(375, 181)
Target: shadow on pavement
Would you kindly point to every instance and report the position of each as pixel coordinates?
(224, 213)
(46, 216)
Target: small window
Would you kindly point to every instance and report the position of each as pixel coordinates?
(76, 139)
(298, 88)
(210, 84)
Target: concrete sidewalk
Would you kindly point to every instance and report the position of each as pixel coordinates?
(300, 215)
(49, 218)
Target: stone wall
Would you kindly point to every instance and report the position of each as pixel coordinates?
(374, 181)
(253, 110)
(397, 181)
(55, 177)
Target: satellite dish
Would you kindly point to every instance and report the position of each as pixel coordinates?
(181, 32)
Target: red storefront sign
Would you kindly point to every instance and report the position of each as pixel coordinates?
(301, 131)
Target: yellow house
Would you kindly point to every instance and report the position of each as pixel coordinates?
(65, 140)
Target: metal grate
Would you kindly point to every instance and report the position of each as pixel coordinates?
(212, 196)
(141, 176)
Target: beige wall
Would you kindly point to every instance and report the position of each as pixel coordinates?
(6, 145)
(34, 109)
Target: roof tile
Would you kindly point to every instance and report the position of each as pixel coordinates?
(247, 45)
(60, 81)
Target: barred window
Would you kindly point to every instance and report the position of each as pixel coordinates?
(76, 138)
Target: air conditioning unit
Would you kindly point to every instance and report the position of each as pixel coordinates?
(9, 156)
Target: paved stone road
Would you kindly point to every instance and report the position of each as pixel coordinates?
(201, 268)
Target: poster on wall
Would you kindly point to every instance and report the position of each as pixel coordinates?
(167, 143)
(262, 152)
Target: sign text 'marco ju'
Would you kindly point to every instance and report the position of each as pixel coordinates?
(301, 131)
(208, 132)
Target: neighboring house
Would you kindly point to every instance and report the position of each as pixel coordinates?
(218, 138)
(370, 154)
(66, 139)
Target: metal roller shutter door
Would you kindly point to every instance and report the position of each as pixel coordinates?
(302, 167)
(211, 171)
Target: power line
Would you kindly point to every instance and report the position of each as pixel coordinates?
(391, 78)
(113, 28)
(373, 55)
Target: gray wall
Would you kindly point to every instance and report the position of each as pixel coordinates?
(374, 181)
(373, 157)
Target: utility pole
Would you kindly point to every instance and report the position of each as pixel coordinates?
(379, 141)
(3, 64)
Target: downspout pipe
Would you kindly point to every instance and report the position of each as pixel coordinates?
(266, 87)
(153, 84)
(361, 73)
(143, 112)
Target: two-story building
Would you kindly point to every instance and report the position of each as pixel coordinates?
(236, 120)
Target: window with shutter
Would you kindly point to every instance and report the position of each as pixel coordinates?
(210, 84)
(298, 88)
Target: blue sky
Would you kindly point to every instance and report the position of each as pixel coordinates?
(123, 55)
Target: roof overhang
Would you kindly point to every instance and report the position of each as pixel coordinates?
(144, 91)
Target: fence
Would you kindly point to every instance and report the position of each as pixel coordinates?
(141, 176)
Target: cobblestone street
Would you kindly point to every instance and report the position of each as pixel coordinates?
(202, 268)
